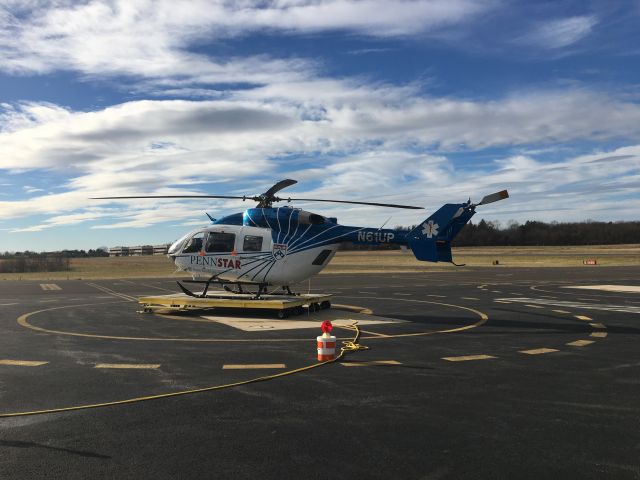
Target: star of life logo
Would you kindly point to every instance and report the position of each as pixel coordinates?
(279, 250)
(430, 229)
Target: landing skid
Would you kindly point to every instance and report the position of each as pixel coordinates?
(262, 288)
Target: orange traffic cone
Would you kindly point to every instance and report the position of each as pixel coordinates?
(326, 343)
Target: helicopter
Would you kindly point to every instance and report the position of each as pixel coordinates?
(277, 246)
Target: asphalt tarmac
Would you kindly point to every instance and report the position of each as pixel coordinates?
(483, 373)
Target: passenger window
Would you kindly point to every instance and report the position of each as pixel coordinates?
(221, 242)
(194, 244)
(252, 244)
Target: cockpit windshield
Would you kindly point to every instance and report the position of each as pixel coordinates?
(187, 242)
(177, 245)
(194, 244)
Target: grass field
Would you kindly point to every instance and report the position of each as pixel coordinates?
(363, 262)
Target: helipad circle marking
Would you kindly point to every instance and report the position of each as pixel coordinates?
(23, 321)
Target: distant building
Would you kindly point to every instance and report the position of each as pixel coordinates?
(139, 250)
(161, 249)
(119, 252)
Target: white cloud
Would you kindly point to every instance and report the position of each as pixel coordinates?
(151, 39)
(386, 140)
(560, 33)
(208, 140)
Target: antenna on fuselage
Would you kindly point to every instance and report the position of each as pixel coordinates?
(385, 222)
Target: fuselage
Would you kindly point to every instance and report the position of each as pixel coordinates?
(273, 246)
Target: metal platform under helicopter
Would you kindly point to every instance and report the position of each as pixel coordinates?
(283, 306)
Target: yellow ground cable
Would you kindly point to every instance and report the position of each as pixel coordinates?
(349, 346)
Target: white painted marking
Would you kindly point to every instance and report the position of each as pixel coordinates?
(583, 318)
(609, 288)
(533, 306)
(49, 286)
(437, 296)
(580, 343)
(7, 304)
(501, 301)
(311, 321)
(599, 334)
(129, 366)
(597, 325)
(467, 358)
(560, 311)
(569, 304)
(22, 363)
(405, 294)
(539, 351)
(253, 366)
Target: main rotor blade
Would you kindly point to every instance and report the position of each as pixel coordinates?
(174, 196)
(391, 205)
(279, 186)
(494, 197)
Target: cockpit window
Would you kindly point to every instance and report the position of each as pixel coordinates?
(221, 242)
(252, 243)
(176, 247)
(194, 244)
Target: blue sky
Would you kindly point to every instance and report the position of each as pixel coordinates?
(417, 102)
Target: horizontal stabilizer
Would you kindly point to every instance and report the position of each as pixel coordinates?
(494, 197)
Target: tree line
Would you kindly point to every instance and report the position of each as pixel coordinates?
(98, 252)
(534, 233)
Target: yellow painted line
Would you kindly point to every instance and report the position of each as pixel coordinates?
(597, 325)
(353, 329)
(253, 366)
(128, 365)
(582, 317)
(467, 358)
(539, 351)
(533, 306)
(371, 363)
(599, 334)
(22, 363)
(580, 343)
(560, 311)
(49, 286)
(353, 308)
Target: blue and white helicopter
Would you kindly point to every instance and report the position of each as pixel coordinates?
(269, 246)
